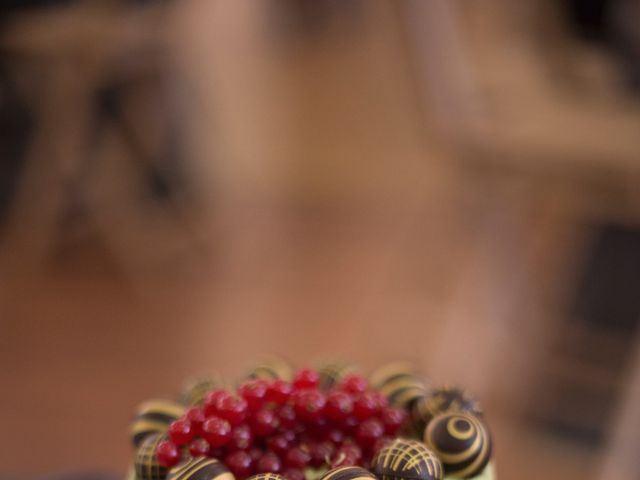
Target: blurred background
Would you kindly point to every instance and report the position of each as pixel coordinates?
(188, 185)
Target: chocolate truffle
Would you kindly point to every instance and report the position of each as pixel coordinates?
(196, 389)
(441, 400)
(146, 462)
(461, 441)
(267, 476)
(271, 368)
(154, 416)
(405, 459)
(348, 473)
(200, 468)
(331, 373)
(398, 382)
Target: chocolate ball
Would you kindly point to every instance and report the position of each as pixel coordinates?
(441, 400)
(154, 416)
(399, 383)
(461, 441)
(405, 459)
(332, 373)
(271, 368)
(200, 468)
(267, 476)
(196, 389)
(146, 461)
(348, 473)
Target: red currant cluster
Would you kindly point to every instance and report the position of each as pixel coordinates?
(281, 427)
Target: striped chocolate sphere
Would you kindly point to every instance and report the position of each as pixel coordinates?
(271, 368)
(146, 462)
(195, 390)
(200, 468)
(441, 400)
(348, 473)
(267, 476)
(154, 416)
(398, 382)
(331, 373)
(405, 459)
(461, 441)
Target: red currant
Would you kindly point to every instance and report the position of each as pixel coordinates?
(393, 419)
(348, 454)
(216, 431)
(241, 438)
(350, 424)
(320, 452)
(199, 447)
(233, 409)
(365, 406)
(294, 474)
(255, 453)
(381, 399)
(278, 444)
(380, 444)
(254, 392)
(218, 452)
(335, 436)
(368, 432)
(339, 406)
(180, 432)
(212, 400)
(279, 391)
(264, 422)
(296, 457)
(310, 405)
(318, 428)
(167, 453)
(287, 417)
(195, 415)
(353, 384)
(268, 463)
(306, 378)
(240, 463)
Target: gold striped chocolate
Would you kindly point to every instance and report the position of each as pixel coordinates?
(267, 476)
(196, 389)
(405, 459)
(270, 369)
(200, 468)
(461, 441)
(348, 473)
(332, 373)
(441, 400)
(398, 382)
(154, 416)
(146, 462)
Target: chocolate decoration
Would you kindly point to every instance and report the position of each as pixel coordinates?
(332, 373)
(267, 476)
(272, 368)
(441, 400)
(195, 390)
(398, 382)
(200, 468)
(461, 441)
(348, 473)
(154, 416)
(146, 462)
(405, 459)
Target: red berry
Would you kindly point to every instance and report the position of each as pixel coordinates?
(264, 422)
(339, 406)
(335, 436)
(212, 400)
(293, 474)
(393, 419)
(216, 431)
(268, 463)
(195, 415)
(310, 405)
(350, 424)
(318, 428)
(279, 392)
(180, 432)
(167, 453)
(279, 443)
(306, 378)
(254, 392)
(353, 384)
(348, 454)
(233, 409)
(320, 452)
(380, 444)
(381, 400)
(365, 406)
(241, 438)
(218, 452)
(240, 463)
(199, 447)
(287, 417)
(296, 457)
(368, 432)
(255, 453)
